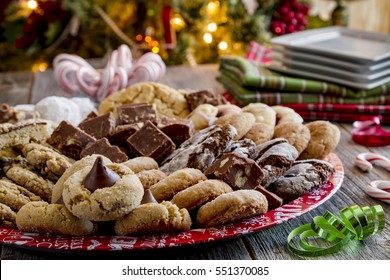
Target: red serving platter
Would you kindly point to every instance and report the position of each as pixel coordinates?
(282, 214)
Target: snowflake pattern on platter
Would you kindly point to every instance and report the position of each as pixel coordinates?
(193, 236)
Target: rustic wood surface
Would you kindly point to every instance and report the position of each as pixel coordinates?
(271, 243)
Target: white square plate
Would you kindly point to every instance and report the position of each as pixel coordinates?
(340, 43)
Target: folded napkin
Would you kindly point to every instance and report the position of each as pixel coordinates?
(247, 81)
(245, 94)
(261, 80)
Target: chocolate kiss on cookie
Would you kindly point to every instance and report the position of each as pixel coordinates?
(148, 197)
(100, 176)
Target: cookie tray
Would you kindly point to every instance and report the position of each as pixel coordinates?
(289, 211)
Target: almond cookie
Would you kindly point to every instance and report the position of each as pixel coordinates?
(201, 150)
(24, 132)
(139, 164)
(243, 122)
(324, 137)
(52, 218)
(285, 114)
(300, 178)
(260, 133)
(168, 101)
(50, 163)
(203, 116)
(295, 133)
(200, 193)
(154, 218)
(30, 181)
(80, 164)
(7, 217)
(15, 196)
(150, 177)
(102, 192)
(232, 206)
(175, 182)
(262, 112)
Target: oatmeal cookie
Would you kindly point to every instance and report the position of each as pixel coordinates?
(154, 218)
(168, 101)
(24, 132)
(30, 181)
(7, 217)
(102, 192)
(230, 207)
(295, 133)
(324, 137)
(52, 218)
(175, 182)
(200, 193)
(15, 196)
(50, 163)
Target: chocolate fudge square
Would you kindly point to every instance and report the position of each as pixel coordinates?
(120, 134)
(103, 147)
(151, 142)
(100, 126)
(136, 113)
(69, 140)
(178, 130)
(237, 171)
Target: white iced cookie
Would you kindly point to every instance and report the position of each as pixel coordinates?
(57, 109)
(262, 112)
(203, 115)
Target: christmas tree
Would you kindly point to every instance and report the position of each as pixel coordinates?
(196, 31)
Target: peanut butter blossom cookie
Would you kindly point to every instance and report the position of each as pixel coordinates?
(102, 192)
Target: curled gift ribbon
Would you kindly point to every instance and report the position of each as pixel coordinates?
(380, 189)
(369, 132)
(74, 74)
(356, 223)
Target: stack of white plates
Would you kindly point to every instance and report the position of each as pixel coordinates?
(348, 57)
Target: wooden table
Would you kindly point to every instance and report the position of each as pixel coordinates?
(271, 244)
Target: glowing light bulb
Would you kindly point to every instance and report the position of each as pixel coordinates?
(208, 38)
(32, 4)
(148, 39)
(212, 27)
(41, 67)
(223, 46)
(212, 7)
(155, 49)
(138, 37)
(177, 21)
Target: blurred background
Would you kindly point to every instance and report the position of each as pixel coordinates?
(33, 32)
